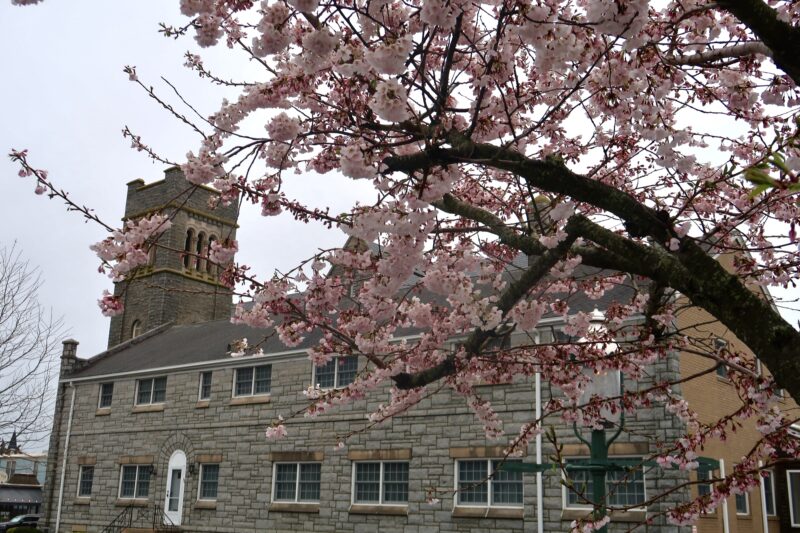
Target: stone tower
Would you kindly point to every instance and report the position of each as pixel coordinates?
(175, 287)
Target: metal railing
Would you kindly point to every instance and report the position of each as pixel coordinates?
(152, 516)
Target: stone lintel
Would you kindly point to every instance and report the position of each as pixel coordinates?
(135, 460)
(208, 458)
(86, 460)
(295, 457)
(379, 455)
(478, 452)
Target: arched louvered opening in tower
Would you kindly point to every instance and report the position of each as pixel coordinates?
(200, 250)
(210, 267)
(188, 248)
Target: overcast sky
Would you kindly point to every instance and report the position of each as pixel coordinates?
(67, 101)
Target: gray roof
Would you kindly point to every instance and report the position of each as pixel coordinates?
(175, 345)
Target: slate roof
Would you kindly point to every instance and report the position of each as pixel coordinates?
(173, 345)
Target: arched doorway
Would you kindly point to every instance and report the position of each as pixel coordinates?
(176, 481)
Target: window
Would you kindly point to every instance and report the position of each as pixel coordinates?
(106, 395)
(769, 492)
(187, 247)
(742, 503)
(85, 478)
(252, 380)
(136, 329)
(704, 474)
(338, 372)
(205, 386)
(296, 482)
(793, 484)
(135, 481)
(722, 370)
(504, 489)
(209, 482)
(624, 488)
(381, 483)
(721, 345)
(153, 390)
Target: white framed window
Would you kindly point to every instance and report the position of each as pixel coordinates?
(151, 390)
(480, 483)
(339, 372)
(209, 482)
(106, 395)
(252, 380)
(793, 484)
(380, 483)
(136, 328)
(85, 481)
(624, 488)
(205, 386)
(769, 492)
(134, 481)
(742, 503)
(296, 482)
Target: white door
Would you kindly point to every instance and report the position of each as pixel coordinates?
(173, 503)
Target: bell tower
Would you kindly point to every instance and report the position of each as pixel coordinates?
(178, 285)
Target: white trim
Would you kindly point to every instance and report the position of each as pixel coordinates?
(135, 482)
(380, 484)
(794, 520)
(583, 506)
(726, 527)
(200, 483)
(152, 390)
(252, 382)
(489, 486)
(80, 480)
(335, 373)
(296, 481)
(66, 454)
(100, 395)
(746, 504)
(200, 385)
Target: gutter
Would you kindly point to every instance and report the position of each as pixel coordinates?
(64, 461)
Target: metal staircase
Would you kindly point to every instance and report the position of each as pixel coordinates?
(151, 518)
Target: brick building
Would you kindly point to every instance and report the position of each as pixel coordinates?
(165, 429)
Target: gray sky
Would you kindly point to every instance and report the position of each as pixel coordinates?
(67, 101)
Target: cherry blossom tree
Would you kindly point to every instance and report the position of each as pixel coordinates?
(643, 139)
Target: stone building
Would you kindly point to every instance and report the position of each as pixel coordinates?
(165, 429)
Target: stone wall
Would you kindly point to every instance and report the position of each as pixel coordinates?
(440, 428)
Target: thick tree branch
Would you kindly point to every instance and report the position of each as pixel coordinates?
(515, 291)
(729, 52)
(781, 37)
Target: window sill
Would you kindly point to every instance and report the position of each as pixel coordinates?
(394, 510)
(102, 411)
(132, 502)
(489, 512)
(202, 404)
(205, 504)
(150, 408)
(616, 516)
(83, 500)
(250, 400)
(291, 507)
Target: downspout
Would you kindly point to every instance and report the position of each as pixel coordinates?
(763, 490)
(539, 495)
(64, 461)
(726, 527)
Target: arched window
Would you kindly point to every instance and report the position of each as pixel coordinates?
(201, 251)
(188, 247)
(209, 265)
(136, 329)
